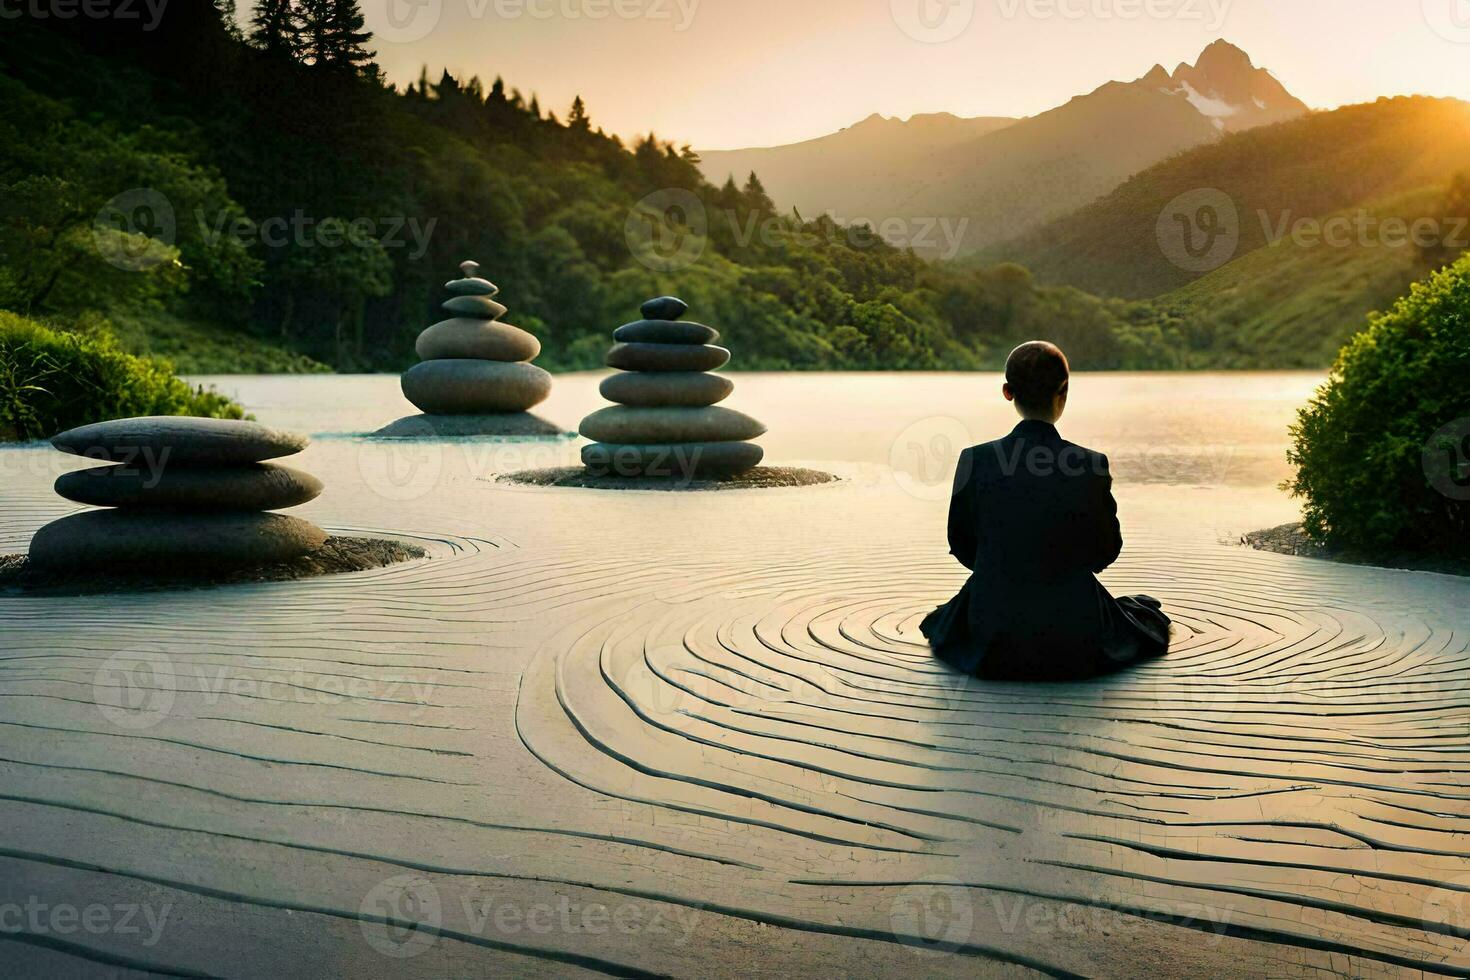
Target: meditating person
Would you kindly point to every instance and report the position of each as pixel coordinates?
(1033, 518)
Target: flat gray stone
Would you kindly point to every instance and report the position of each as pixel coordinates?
(664, 308)
(683, 461)
(477, 307)
(658, 389)
(485, 340)
(468, 387)
(665, 332)
(166, 540)
(627, 425)
(512, 424)
(667, 357)
(163, 440)
(471, 287)
(249, 487)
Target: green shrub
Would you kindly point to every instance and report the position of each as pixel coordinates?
(51, 380)
(1366, 448)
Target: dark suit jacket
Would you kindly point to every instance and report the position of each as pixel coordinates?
(1033, 518)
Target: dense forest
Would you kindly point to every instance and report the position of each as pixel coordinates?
(258, 199)
(255, 197)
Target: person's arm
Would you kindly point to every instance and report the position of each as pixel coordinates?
(962, 538)
(1108, 536)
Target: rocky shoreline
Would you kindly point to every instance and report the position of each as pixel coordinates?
(1291, 539)
(335, 557)
(759, 478)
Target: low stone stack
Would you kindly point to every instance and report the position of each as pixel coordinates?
(667, 422)
(181, 493)
(473, 364)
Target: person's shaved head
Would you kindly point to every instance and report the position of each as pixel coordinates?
(1036, 373)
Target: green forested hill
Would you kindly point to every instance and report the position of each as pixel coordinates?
(1295, 303)
(313, 215)
(1307, 168)
(237, 207)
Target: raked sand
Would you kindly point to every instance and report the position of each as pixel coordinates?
(698, 734)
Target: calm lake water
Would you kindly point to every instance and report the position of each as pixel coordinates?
(1191, 430)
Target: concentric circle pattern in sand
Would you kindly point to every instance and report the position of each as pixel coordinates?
(1292, 774)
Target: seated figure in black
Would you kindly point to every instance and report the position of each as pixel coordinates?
(1033, 518)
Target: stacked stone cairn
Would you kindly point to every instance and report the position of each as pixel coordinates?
(473, 364)
(667, 422)
(180, 493)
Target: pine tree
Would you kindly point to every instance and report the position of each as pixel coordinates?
(348, 37)
(535, 108)
(226, 10)
(577, 118)
(334, 37)
(312, 43)
(756, 197)
(729, 196)
(276, 27)
(448, 86)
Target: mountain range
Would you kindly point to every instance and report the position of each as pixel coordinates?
(1002, 177)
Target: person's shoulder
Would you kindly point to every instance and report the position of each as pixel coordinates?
(1096, 462)
(985, 454)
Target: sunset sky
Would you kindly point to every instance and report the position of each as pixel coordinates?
(735, 73)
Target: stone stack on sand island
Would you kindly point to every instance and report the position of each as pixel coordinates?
(667, 421)
(475, 375)
(181, 493)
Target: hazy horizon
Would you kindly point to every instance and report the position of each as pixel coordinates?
(723, 74)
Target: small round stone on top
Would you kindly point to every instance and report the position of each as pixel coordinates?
(471, 284)
(664, 308)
